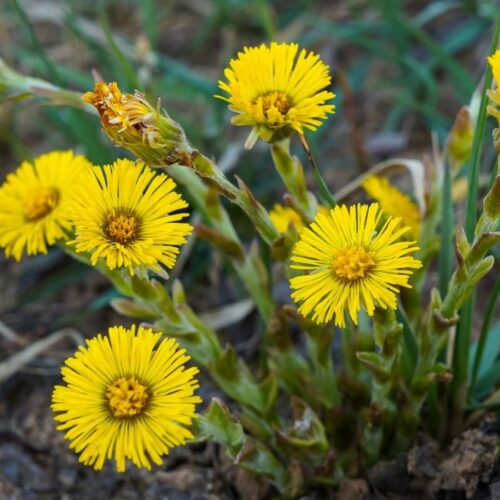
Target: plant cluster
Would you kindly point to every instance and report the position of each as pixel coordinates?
(358, 276)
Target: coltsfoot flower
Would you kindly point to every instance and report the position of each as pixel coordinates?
(127, 395)
(277, 90)
(130, 121)
(34, 202)
(394, 203)
(124, 214)
(353, 262)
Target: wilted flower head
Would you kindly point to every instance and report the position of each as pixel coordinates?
(277, 90)
(130, 121)
(127, 395)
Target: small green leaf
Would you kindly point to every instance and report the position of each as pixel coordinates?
(217, 424)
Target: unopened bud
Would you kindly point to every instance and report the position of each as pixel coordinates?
(459, 142)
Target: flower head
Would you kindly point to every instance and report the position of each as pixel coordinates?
(282, 217)
(277, 90)
(354, 262)
(394, 203)
(124, 214)
(127, 395)
(34, 202)
(131, 122)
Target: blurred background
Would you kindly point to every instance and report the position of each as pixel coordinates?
(401, 71)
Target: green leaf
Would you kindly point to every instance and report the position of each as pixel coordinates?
(236, 380)
(218, 425)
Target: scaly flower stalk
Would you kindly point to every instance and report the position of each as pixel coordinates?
(291, 172)
(385, 369)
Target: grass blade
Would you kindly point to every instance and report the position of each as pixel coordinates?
(485, 330)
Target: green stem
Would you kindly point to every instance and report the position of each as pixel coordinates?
(325, 192)
(385, 368)
(292, 174)
(252, 274)
(241, 197)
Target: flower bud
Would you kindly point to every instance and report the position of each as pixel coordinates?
(459, 142)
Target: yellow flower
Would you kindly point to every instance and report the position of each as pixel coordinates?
(354, 262)
(494, 62)
(34, 202)
(128, 395)
(394, 203)
(131, 122)
(123, 213)
(494, 95)
(282, 217)
(277, 90)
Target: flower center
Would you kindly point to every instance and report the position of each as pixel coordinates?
(274, 106)
(353, 263)
(121, 228)
(127, 397)
(41, 201)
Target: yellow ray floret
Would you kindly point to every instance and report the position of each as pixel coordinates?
(353, 261)
(394, 203)
(276, 86)
(494, 94)
(34, 202)
(124, 214)
(282, 217)
(127, 396)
